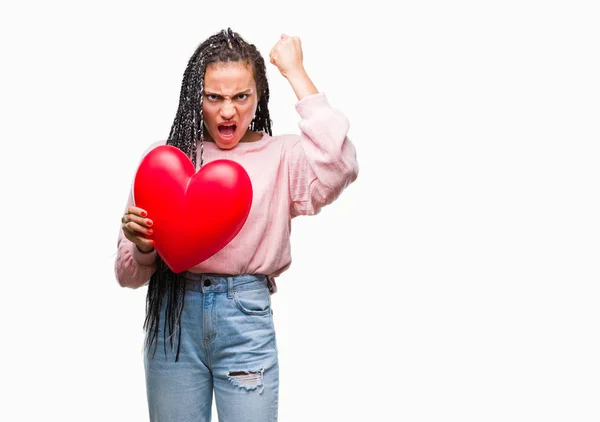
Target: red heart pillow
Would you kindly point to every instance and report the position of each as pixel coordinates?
(195, 214)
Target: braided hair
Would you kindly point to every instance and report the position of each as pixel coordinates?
(187, 129)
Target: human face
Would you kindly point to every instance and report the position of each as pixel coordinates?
(229, 103)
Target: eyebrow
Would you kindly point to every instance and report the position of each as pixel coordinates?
(247, 91)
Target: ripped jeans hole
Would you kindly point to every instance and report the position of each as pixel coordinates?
(249, 380)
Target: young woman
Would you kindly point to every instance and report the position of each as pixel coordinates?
(211, 327)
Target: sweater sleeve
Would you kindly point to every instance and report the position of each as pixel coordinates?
(133, 268)
(322, 162)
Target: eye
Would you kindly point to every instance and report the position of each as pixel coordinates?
(211, 97)
(242, 96)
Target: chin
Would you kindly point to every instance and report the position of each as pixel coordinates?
(226, 146)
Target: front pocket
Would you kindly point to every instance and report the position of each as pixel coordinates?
(253, 302)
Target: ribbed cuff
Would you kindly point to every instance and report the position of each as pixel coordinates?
(311, 104)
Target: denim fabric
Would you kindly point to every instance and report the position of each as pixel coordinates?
(227, 345)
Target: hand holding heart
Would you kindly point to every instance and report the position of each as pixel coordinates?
(137, 229)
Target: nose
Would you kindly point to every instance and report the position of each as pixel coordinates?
(227, 110)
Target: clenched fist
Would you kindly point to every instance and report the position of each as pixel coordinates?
(287, 56)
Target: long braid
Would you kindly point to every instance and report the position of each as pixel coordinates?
(187, 129)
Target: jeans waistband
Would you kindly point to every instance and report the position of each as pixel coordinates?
(224, 283)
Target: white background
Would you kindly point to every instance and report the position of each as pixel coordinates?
(455, 280)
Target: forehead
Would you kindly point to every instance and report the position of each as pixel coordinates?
(229, 77)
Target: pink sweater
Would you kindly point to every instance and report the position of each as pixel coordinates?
(291, 175)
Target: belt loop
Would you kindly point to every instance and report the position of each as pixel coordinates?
(230, 287)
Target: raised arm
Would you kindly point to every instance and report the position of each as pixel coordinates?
(322, 163)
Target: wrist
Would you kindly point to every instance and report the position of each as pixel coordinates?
(145, 250)
(142, 255)
(301, 83)
(295, 74)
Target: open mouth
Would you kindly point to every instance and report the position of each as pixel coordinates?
(226, 131)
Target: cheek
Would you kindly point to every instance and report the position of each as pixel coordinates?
(250, 111)
(208, 114)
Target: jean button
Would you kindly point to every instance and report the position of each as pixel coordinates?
(206, 283)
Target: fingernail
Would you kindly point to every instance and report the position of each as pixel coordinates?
(144, 213)
(149, 231)
(152, 242)
(149, 222)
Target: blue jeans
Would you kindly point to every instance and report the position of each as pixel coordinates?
(227, 345)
